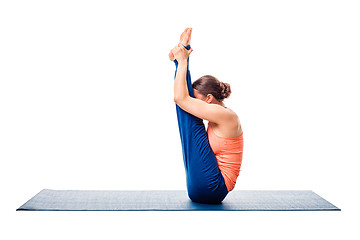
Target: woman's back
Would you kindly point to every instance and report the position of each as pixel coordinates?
(228, 152)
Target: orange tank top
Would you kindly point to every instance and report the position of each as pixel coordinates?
(228, 153)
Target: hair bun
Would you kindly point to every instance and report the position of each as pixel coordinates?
(225, 90)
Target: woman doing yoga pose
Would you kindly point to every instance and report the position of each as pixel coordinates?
(212, 157)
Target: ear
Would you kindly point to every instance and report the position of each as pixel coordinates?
(209, 98)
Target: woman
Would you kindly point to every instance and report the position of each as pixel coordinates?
(212, 158)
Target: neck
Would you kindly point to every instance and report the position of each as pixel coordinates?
(219, 103)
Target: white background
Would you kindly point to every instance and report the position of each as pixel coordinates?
(86, 102)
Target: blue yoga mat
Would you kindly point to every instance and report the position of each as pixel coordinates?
(245, 200)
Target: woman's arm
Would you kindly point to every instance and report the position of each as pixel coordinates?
(211, 112)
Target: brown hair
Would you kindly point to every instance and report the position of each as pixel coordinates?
(211, 85)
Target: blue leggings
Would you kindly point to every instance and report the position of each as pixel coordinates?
(205, 183)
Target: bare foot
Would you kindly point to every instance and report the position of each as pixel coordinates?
(185, 40)
(185, 37)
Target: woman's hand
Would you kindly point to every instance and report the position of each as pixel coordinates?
(181, 54)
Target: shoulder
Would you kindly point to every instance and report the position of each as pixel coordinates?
(232, 115)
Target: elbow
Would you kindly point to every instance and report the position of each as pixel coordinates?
(178, 99)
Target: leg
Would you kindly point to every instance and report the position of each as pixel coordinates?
(204, 180)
